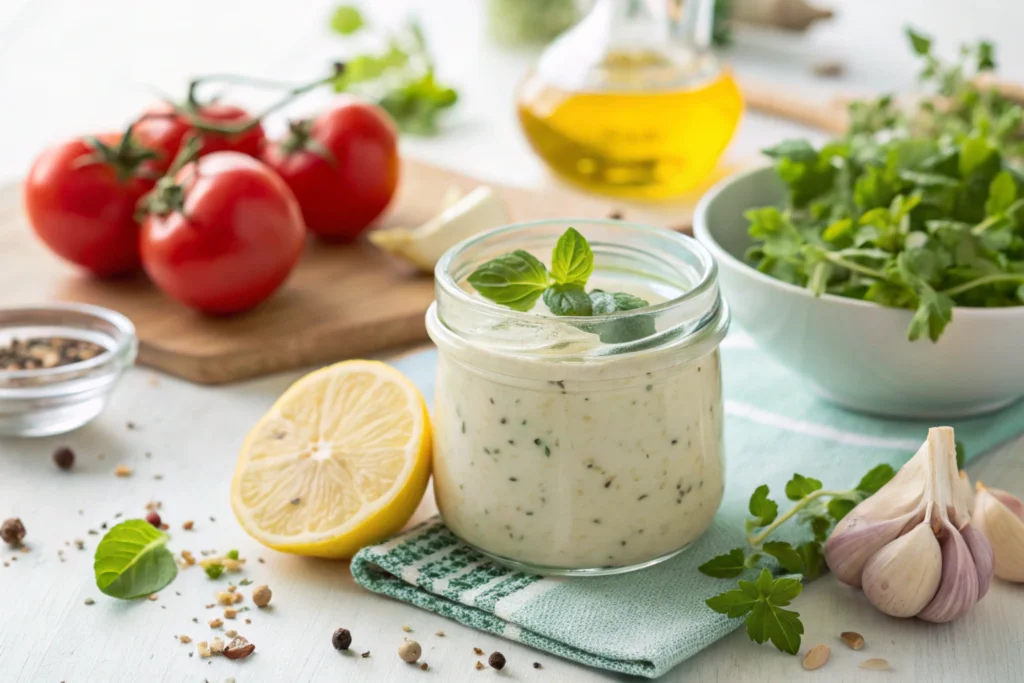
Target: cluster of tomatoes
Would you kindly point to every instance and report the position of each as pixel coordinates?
(214, 212)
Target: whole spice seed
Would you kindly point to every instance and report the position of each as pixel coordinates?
(817, 657)
(496, 661)
(261, 595)
(45, 352)
(239, 648)
(409, 651)
(90, 601)
(12, 531)
(479, 665)
(365, 655)
(216, 623)
(853, 640)
(154, 519)
(64, 458)
(875, 664)
(187, 526)
(123, 471)
(341, 639)
(536, 665)
(185, 639)
(478, 652)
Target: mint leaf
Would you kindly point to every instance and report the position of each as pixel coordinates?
(788, 558)
(602, 303)
(1001, 194)
(875, 479)
(346, 20)
(840, 507)
(568, 300)
(762, 508)
(515, 280)
(800, 487)
(922, 45)
(572, 260)
(628, 302)
(726, 566)
(132, 560)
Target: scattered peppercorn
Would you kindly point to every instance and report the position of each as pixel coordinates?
(342, 639)
(496, 660)
(536, 665)
(154, 519)
(409, 651)
(12, 531)
(45, 352)
(64, 458)
(261, 595)
(424, 667)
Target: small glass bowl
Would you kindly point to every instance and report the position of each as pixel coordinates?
(48, 401)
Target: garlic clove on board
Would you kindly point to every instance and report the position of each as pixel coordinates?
(984, 557)
(848, 551)
(994, 517)
(958, 590)
(902, 577)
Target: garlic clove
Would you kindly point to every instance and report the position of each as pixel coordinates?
(984, 558)
(958, 590)
(848, 549)
(903, 577)
(1004, 531)
(1015, 504)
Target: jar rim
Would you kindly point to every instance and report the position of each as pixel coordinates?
(707, 280)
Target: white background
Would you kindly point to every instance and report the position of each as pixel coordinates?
(74, 66)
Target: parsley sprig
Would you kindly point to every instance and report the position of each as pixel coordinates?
(761, 602)
(519, 279)
(920, 209)
(400, 78)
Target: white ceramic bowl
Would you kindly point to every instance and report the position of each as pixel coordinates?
(853, 352)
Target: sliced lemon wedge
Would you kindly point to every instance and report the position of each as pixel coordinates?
(339, 462)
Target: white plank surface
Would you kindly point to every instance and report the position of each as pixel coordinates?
(68, 66)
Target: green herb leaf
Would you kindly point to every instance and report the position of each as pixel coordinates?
(840, 507)
(132, 560)
(515, 280)
(568, 300)
(214, 571)
(961, 455)
(346, 20)
(1002, 193)
(875, 479)
(820, 526)
(800, 487)
(921, 44)
(726, 566)
(762, 508)
(812, 558)
(572, 261)
(768, 621)
(789, 559)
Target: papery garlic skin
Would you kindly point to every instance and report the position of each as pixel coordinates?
(848, 550)
(1004, 530)
(902, 577)
(958, 590)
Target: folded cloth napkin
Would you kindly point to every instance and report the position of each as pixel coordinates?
(646, 622)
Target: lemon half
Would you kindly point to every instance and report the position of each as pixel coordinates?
(339, 462)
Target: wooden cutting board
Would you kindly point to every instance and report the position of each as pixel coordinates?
(343, 301)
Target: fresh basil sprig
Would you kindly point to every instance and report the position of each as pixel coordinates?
(132, 560)
(518, 279)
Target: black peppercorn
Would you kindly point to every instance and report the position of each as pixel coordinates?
(64, 457)
(496, 661)
(12, 531)
(341, 639)
(536, 665)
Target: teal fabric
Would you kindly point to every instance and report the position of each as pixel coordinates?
(647, 622)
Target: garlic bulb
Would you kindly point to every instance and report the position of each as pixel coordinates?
(911, 546)
(1000, 517)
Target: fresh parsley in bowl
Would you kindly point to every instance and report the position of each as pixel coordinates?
(919, 208)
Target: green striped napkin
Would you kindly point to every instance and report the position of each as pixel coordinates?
(647, 622)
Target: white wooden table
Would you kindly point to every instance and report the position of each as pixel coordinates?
(68, 67)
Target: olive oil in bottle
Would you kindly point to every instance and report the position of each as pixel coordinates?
(629, 102)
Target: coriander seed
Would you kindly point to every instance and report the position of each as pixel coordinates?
(64, 458)
(496, 661)
(409, 651)
(341, 640)
(12, 531)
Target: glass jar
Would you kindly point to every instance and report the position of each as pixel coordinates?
(581, 445)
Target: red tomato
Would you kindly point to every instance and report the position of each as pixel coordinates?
(80, 198)
(165, 130)
(228, 234)
(342, 167)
